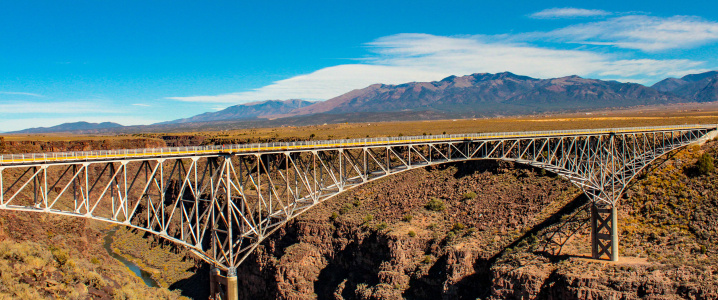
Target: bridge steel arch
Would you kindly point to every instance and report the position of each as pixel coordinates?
(221, 202)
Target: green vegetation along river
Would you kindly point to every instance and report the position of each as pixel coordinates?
(144, 275)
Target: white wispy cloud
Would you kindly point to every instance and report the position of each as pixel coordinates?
(141, 104)
(410, 57)
(22, 94)
(651, 68)
(324, 83)
(568, 12)
(466, 55)
(647, 33)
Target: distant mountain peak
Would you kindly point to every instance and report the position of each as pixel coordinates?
(499, 76)
(694, 87)
(700, 76)
(287, 102)
(573, 79)
(449, 78)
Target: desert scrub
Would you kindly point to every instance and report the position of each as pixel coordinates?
(60, 255)
(381, 226)
(427, 259)
(413, 234)
(458, 227)
(30, 270)
(435, 205)
(368, 218)
(24, 252)
(469, 195)
(705, 165)
(407, 218)
(345, 209)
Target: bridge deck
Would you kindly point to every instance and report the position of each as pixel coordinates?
(100, 155)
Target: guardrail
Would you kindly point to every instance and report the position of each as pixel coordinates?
(10, 159)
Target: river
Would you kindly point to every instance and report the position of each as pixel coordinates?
(144, 275)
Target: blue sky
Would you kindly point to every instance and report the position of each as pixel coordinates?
(141, 62)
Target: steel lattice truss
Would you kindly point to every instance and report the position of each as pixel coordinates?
(222, 205)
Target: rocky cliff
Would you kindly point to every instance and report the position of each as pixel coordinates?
(384, 241)
(80, 145)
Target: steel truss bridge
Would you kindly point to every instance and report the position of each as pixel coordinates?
(223, 201)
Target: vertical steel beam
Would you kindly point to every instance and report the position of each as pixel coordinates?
(86, 195)
(228, 163)
(74, 185)
(125, 195)
(112, 188)
(34, 185)
(365, 171)
(2, 188)
(45, 192)
(340, 182)
(614, 232)
(594, 231)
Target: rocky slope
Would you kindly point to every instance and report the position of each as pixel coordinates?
(55, 257)
(44, 256)
(668, 245)
(574, 92)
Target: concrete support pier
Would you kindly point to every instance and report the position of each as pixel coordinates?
(604, 231)
(223, 287)
(232, 288)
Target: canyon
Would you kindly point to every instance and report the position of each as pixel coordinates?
(479, 229)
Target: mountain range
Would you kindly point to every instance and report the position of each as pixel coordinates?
(491, 94)
(72, 127)
(480, 94)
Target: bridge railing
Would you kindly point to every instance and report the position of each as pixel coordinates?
(7, 159)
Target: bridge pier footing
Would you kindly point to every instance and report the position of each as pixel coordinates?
(223, 287)
(604, 231)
